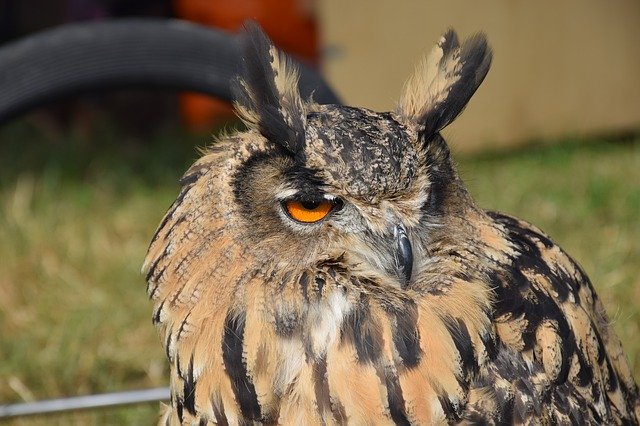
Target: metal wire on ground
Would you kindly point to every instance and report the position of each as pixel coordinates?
(87, 402)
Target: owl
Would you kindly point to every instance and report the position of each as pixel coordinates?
(328, 266)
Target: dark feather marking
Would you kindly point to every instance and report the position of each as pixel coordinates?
(462, 340)
(395, 399)
(151, 274)
(167, 343)
(152, 268)
(261, 94)
(531, 260)
(434, 205)
(359, 330)
(152, 295)
(505, 406)
(284, 280)
(338, 411)
(596, 416)
(512, 367)
(514, 224)
(236, 368)
(219, 414)
(178, 293)
(320, 282)
(600, 348)
(177, 203)
(475, 57)
(321, 385)
(193, 175)
(152, 288)
(612, 383)
(560, 400)
(305, 180)
(526, 386)
(406, 337)
(242, 182)
(585, 374)
(156, 314)
(489, 342)
(286, 322)
(440, 175)
(179, 408)
(477, 419)
(449, 410)
(189, 388)
(332, 272)
(183, 324)
(304, 285)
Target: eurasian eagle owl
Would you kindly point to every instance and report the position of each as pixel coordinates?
(328, 266)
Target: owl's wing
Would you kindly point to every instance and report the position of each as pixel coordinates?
(546, 310)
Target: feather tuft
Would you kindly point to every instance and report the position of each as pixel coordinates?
(444, 81)
(266, 94)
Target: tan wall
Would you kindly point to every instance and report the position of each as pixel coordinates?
(564, 67)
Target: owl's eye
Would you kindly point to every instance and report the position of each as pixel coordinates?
(309, 211)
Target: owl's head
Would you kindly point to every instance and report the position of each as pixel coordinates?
(327, 181)
(310, 185)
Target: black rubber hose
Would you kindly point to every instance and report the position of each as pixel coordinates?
(95, 56)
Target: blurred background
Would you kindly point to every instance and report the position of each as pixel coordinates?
(552, 136)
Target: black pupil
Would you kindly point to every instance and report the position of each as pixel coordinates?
(310, 205)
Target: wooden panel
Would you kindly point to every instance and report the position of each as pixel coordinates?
(560, 68)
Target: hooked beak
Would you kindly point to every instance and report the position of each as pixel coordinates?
(404, 252)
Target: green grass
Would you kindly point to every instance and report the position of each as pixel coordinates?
(77, 213)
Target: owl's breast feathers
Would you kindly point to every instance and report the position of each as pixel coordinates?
(501, 327)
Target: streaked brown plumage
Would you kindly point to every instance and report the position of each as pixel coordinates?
(406, 304)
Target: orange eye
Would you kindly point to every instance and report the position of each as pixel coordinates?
(308, 212)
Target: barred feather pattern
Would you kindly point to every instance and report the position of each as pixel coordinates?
(267, 320)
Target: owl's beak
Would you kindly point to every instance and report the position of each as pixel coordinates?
(404, 252)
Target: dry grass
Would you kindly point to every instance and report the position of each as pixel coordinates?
(76, 217)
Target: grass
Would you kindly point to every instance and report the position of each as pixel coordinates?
(77, 213)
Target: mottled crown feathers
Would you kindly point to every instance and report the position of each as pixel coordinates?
(266, 94)
(444, 81)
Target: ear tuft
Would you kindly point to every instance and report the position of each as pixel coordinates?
(444, 82)
(266, 93)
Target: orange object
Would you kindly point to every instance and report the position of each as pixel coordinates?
(289, 23)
